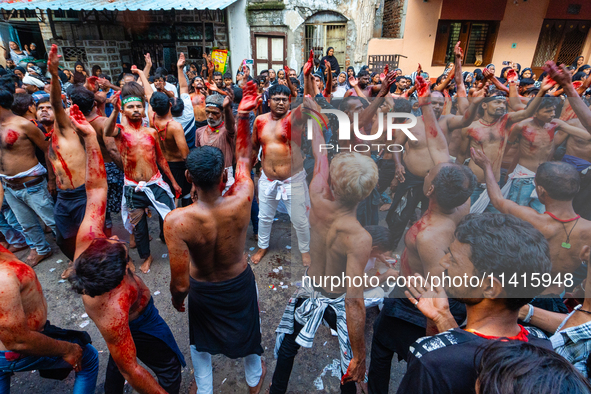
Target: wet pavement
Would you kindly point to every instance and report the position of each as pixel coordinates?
(315, 370)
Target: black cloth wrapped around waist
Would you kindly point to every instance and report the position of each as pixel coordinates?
(224, 316)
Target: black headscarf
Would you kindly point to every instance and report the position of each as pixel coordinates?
(334, 63)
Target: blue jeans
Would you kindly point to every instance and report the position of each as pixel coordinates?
(520, 192)
(478, 190)
(85, 379)
(29, 203)
(10, 227)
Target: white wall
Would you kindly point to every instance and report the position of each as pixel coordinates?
(238, 34)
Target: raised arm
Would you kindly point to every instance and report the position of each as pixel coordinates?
(148, 61)
(450, 75)
(55, 97)
(244, 146)
(294, 90)
(368, 113)
(436, 142)
(319, 185)
(145, 83)
(110, 128)
(183, 85)
(229, 120)
(495, 81)
(562, 77)
(328, 86)
(530, 111)
(494, 191)
(458, 75)
(96, 184)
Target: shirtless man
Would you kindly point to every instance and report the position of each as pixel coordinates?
(490, 133)
(115, 298)
(198, 101)
(207, 262)
(67, 157)
(84, 99)
(538, 138)
(171, 135)
(578, 150)
(339, 246)
(25, 187)
(448, 187)
(282, 172)
(556, 184)
(141, 156)
(417, 162)
(26, 343)
(364, 85)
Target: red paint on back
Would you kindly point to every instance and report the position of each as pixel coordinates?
(11, 137)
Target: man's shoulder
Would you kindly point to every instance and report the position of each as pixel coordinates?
(427, 346)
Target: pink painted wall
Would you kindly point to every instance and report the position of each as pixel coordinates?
(521, 25)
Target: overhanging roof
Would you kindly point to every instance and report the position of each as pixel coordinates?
(115, 5)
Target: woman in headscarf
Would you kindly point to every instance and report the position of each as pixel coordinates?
(375, 78)
(468, 78)
(96, 70)
(350, 73)
(578, 62)
(334, 63)
(517, 68)
(342, 85)
(503, 76)
(585, 68)
(491, 68)
(526, 73)
(79, 73)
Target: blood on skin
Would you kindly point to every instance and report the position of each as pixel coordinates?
(21, 270)
(511, 74)
(63, 162)
(11, 137)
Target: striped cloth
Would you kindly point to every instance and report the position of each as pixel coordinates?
(309, 314)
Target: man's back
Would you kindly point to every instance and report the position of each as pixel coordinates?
(215, 233)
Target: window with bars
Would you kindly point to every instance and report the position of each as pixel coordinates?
(320, 37)
(477, 39)
(561, 41)
(72, 54)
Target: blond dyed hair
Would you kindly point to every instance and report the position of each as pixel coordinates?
(353, 176)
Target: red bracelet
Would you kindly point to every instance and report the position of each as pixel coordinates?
(423, 104)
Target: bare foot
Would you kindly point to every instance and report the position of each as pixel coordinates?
(306, 259)
(145, 267)
(258, 256)
(14, 249)
(68, 271)
(131, 265)
(257, 388)
(132, 244)
(34, 258)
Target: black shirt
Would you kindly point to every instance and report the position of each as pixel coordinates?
(445, 363)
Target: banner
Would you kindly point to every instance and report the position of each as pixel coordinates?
(220, 58)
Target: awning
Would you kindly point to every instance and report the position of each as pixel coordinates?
(115, 5)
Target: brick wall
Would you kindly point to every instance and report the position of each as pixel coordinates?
(392, 18)
(99, 52)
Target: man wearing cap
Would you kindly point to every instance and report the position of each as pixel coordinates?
(32, 84)
(220, 131)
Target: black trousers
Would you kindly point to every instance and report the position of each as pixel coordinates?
(390, 335)
(139, 200)
(386, 172)
(288, 350)
(157, 356)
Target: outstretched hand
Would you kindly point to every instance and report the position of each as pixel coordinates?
(548, 83)
(353, 81)
(386, 83)
(147, 59)
(83, 128)
(479, 158)
(458, 51)
(135, 70)
(309, 66)
(558, 74)
(53, 61)
(250, 99)
(512, 76)
(431, 301)
(181, 63)
(422, 87)
(487, 73)
(116, 101)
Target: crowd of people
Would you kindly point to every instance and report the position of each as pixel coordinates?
(497, 166)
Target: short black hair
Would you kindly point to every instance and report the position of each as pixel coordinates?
(362, 73)
(21, 103)
(216, 74)
(279, 89)
(108, 78)
(160, 103)
(508, 367)
(100, 268)
(171, 79)
(502, 244)
(402, 105)
(453, 185)
(560, 180)
(133, 89)
(381, 237)
(545, 102)
(526, 81)
(42, 100)
(237, 94)
(162, 71)
(295, 82)
(160, 76)
(83, 98)
(6, 98)
(206, 165)
(227, 76)
(177, 107)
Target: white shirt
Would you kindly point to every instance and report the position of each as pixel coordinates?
(167, 86)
